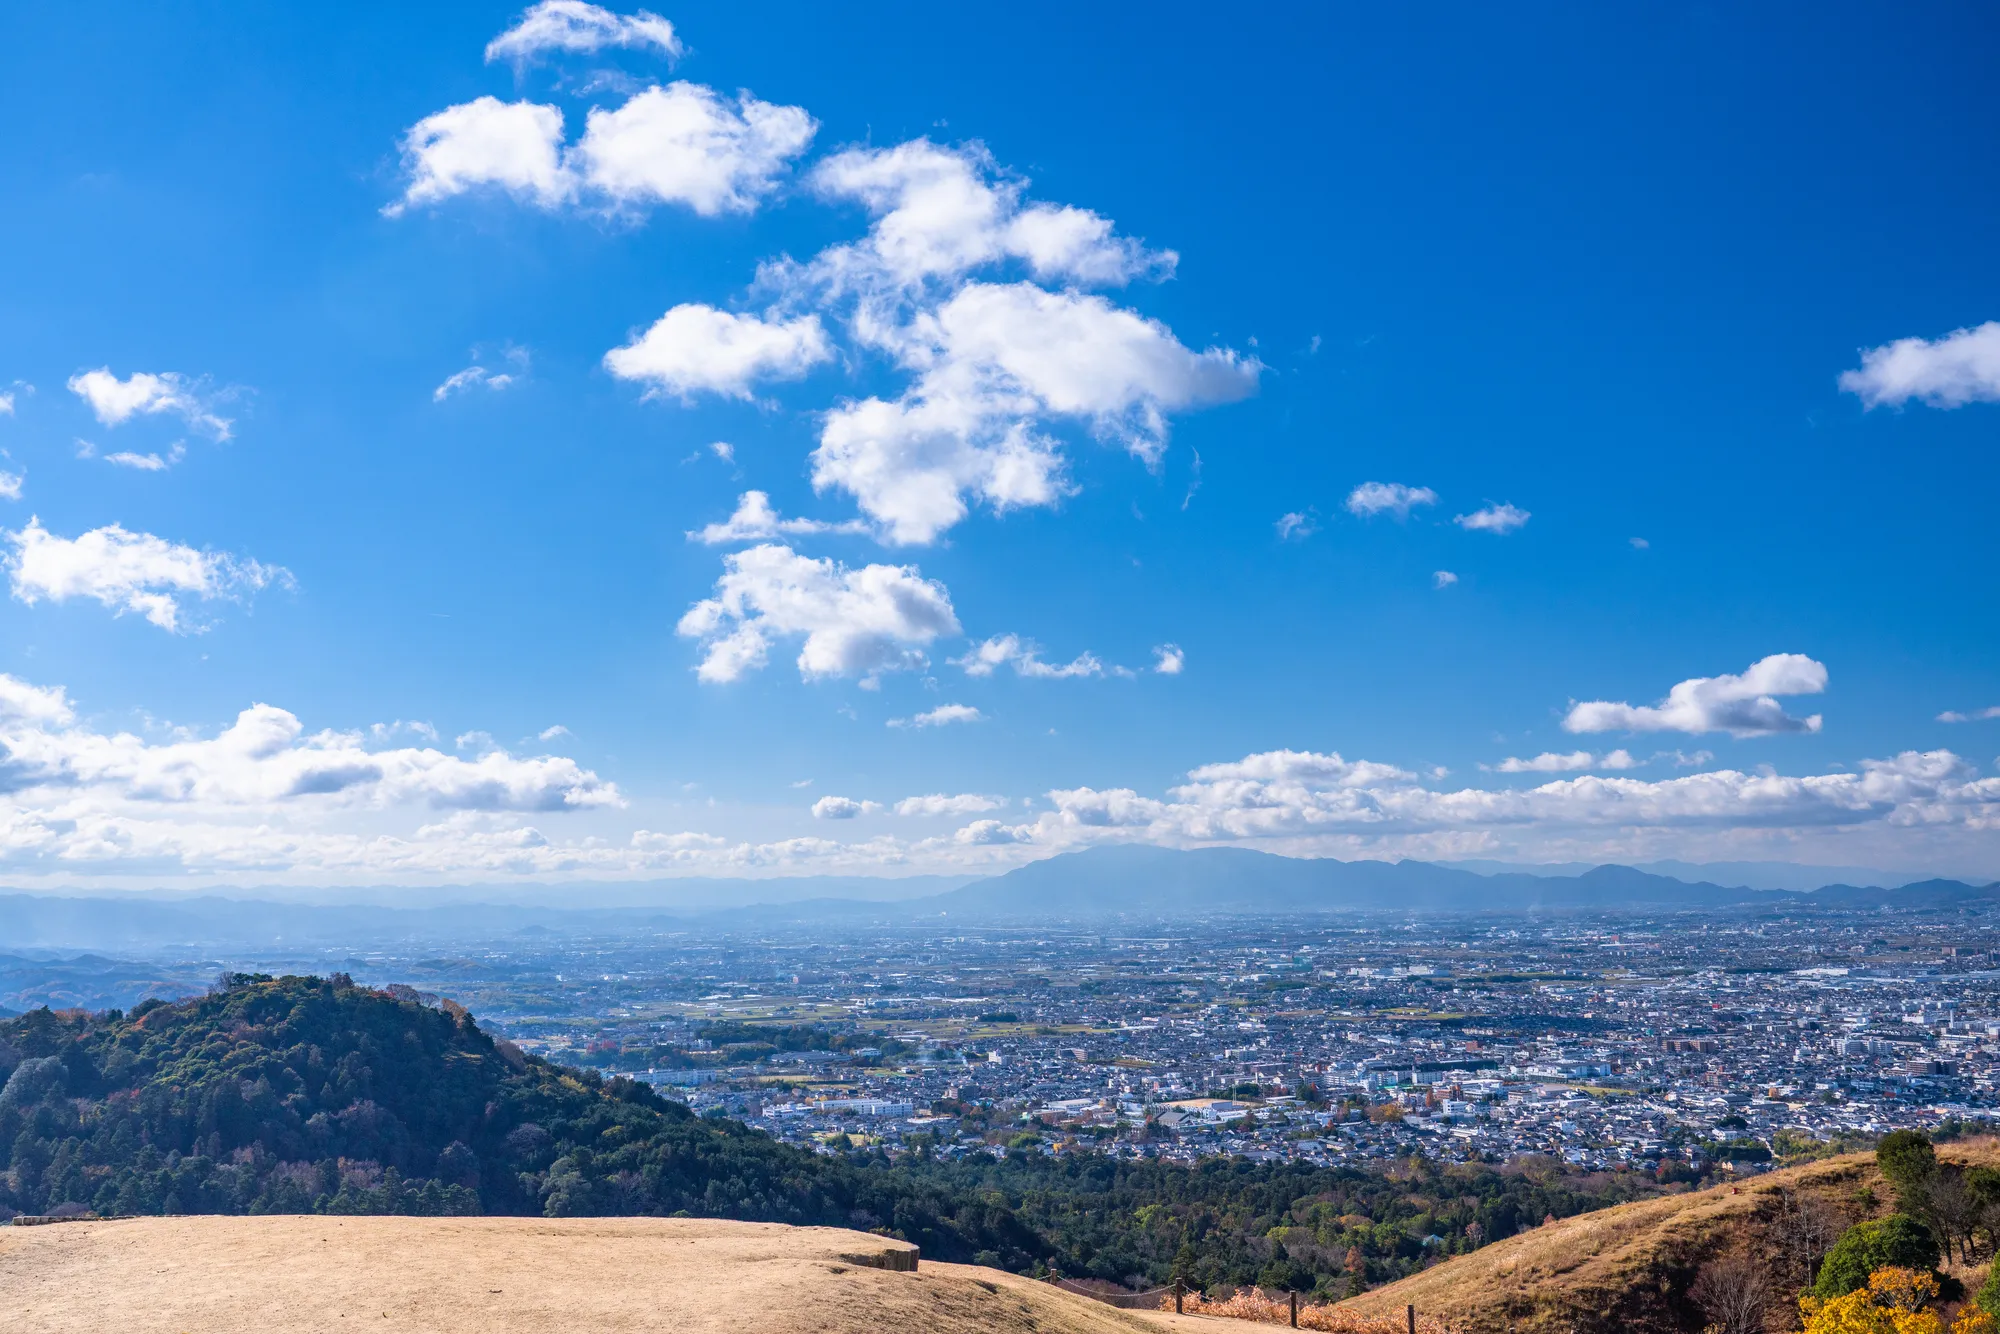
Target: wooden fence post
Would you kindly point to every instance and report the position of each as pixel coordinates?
(1411, 1311)
(1180, 1291)
(1295, 1309)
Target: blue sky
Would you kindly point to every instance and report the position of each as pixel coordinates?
(1088, 329)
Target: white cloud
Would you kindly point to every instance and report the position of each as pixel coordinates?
(1296, 527)
(1639, 543)
(472, 377)
(854, 622)
(943, 715)
(912, 464)
(842, 808)
(1443, 579)
(942, 212)
(266, 758)
(1962, 367)
(573, 26)
(6, 403)
(939, 803)
(10, 485)
(681, 144)
(551, 733)
(1168, 660)
(755, 520)
(1977, 715)
(1025, 658)
(695, 348)
(1550, 763)
(1372, 498)
(128, 571)
(1744, 705)
(994, 362)
(685, 144)
(114, 401)
(510, 146)
(1500, 519)
(1303, 802)
(125, 458)
(723, 450)
(262, 796)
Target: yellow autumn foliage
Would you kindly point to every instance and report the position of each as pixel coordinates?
(1896, 1301)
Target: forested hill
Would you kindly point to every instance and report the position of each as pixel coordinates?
(300, 1095)
(303, 1095)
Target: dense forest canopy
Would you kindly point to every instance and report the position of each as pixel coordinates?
(301, 1095)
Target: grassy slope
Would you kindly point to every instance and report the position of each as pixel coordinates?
(387, 1275)
(1623, 1268)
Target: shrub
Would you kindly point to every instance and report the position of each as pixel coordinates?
(1898, 1241)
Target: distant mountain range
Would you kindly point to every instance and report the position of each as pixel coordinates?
(1130, 881)
(1139, 880)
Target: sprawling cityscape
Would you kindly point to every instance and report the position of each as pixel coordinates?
(1674, 1043)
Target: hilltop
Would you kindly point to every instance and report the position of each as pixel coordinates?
(310, 1095)
(307, 1275)
(1626, 1268)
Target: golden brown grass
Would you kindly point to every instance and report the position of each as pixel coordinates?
(1255, 1304)
(1622, 1268)
(308, 1275)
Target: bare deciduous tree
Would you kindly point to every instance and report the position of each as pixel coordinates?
(1734, 1293)
(1952, 1209)
(1802, 1232)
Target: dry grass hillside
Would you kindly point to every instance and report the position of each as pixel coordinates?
(313, 1275)
(1625, 1268)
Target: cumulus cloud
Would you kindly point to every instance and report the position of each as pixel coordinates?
(940, 212)
(267, 759)
(686, 144)
(1168, 660)
(1744, 705)
(985, 657)
(11, 484)
(682, 144)
(262, 795)
(842, 808)
(995, 361)
(941, 716)
(129, 572)
(1304, 800)
(1443, 579)
(1962, 367)
(854, 622)
(1976, 715)
(142, 394)
(939, 803)
(755, 521)
(1501, 519)
(1372, 498)
(1550, 763)
(571, 26)
(695, 348)
(515, 147)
